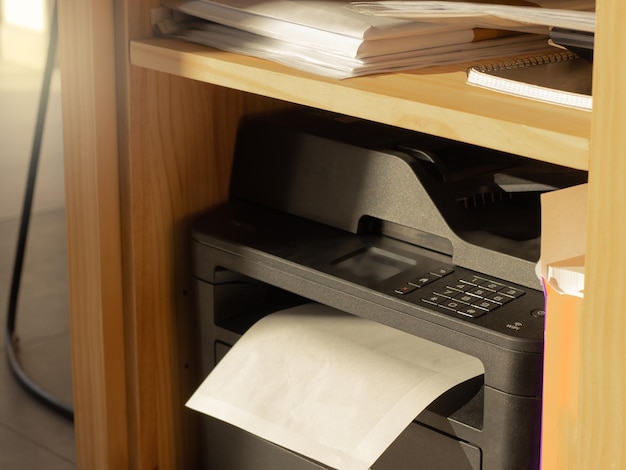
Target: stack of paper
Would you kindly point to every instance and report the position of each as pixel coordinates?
(329, 38)
(578, 15)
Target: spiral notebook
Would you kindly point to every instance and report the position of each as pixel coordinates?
(561, 78)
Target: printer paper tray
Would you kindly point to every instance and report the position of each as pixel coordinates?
(230, 448)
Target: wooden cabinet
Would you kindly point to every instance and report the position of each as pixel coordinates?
(149, 127)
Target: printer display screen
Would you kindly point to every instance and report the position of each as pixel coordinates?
(374, 264)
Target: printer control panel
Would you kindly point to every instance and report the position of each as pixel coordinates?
(470, 296)
(427, 284)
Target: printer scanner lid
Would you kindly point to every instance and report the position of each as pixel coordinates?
(477, 205)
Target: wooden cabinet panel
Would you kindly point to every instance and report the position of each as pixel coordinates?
(148, 146)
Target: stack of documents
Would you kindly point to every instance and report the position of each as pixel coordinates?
(330, 38)
(577, 15)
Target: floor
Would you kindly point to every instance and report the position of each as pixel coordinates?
(32, 435)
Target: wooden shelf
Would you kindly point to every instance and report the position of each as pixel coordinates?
(435, 100)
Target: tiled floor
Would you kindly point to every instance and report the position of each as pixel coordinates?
(31, 435)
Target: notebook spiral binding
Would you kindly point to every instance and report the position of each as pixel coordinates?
(560, 56)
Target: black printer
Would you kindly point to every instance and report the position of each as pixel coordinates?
(427, 235)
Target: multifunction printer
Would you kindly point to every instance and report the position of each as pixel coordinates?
(427, 235)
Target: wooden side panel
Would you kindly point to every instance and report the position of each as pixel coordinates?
(601, 433)
(94, 248)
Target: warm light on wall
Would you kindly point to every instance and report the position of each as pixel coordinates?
(29, 14)
(24, 26)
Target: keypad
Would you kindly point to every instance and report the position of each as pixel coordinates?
(470, 296)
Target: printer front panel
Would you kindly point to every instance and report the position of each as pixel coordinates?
(479, 428)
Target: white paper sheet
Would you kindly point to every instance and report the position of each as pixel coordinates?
(328, 385)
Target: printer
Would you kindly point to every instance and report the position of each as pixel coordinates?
(426, 235)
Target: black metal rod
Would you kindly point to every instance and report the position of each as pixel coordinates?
(11, 340)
